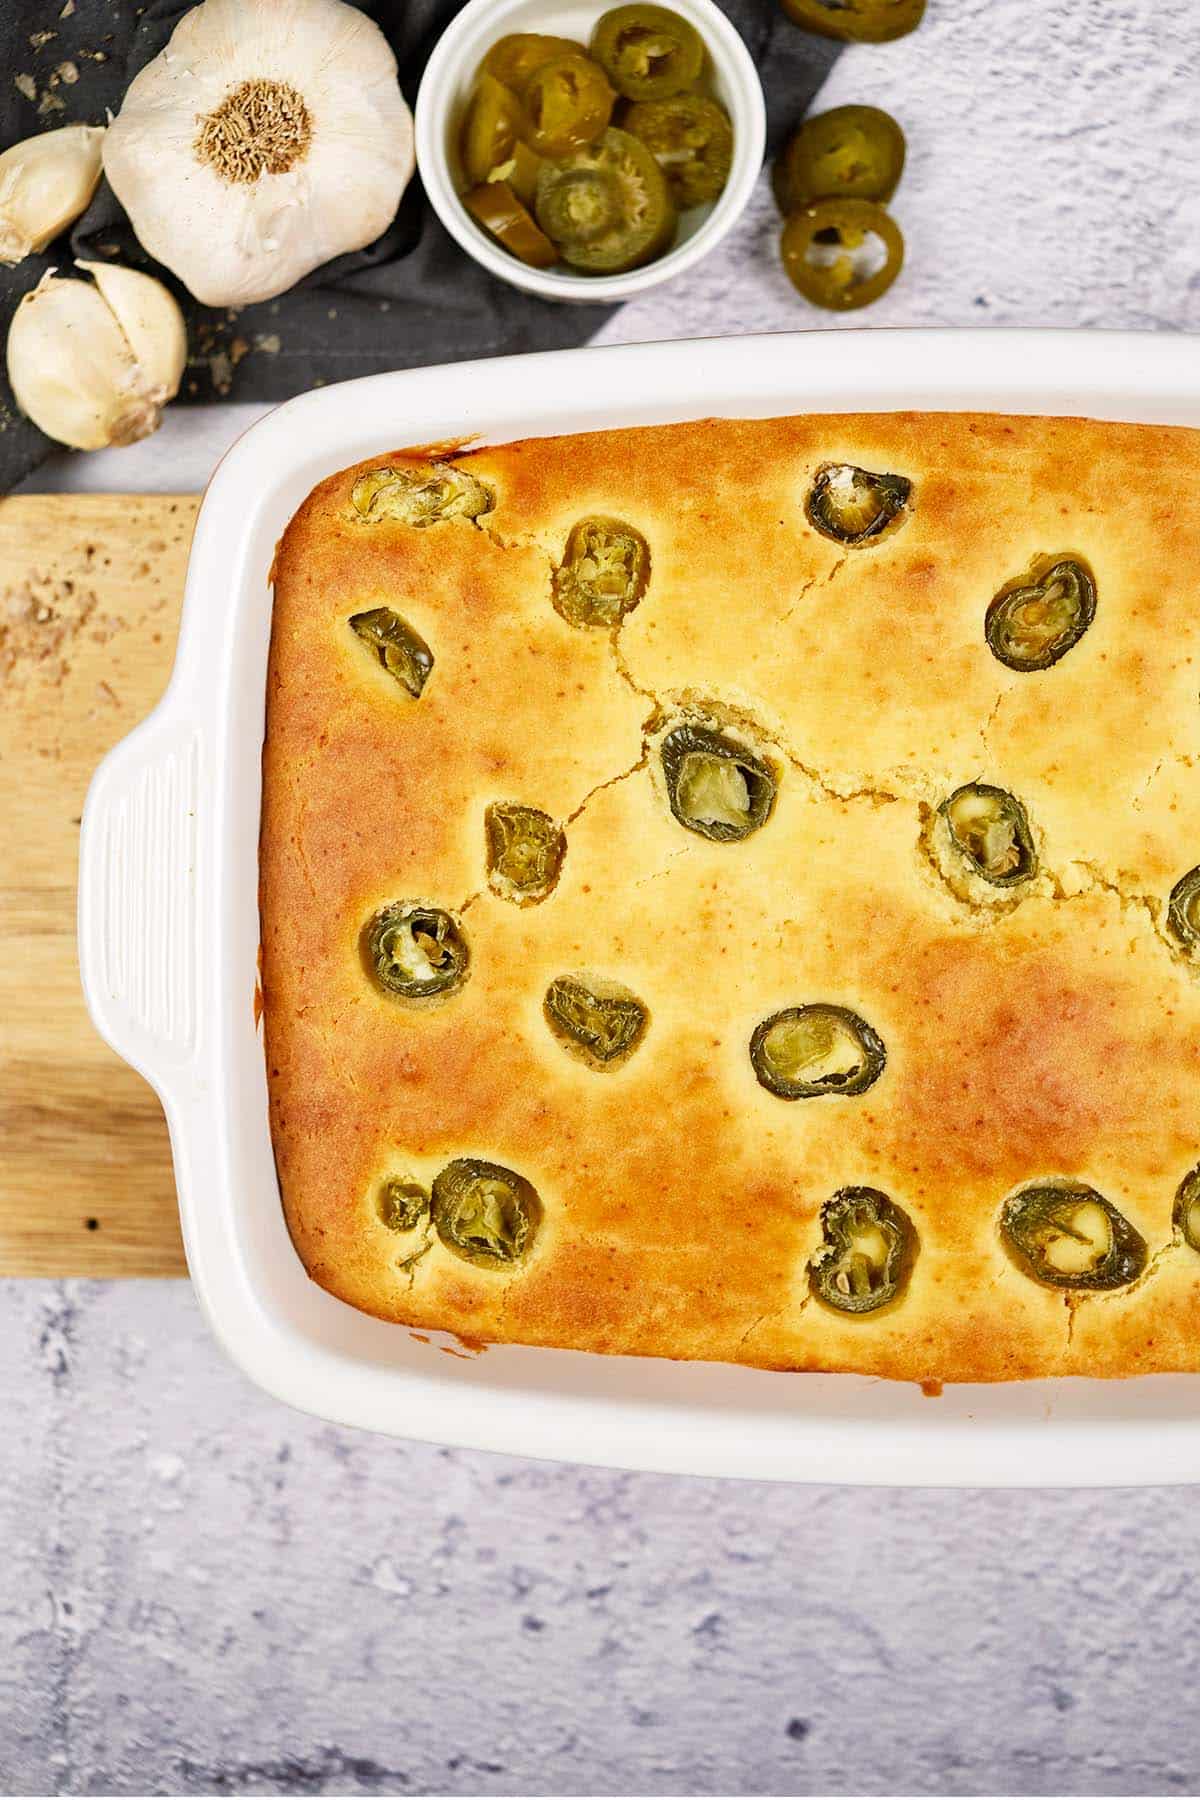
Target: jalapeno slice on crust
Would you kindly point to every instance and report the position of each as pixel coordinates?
(399, 649)
(420, 495)
(842, 254)
(603, 574)
(607, 206)
(691, 140)
(567, 102)
(600, 1021)
(495, 206)
(857, 21)
(805, 1052)
(1183, 911)
(486, 1214)
(868, 1254)
(415, 951)
(1186, 1216)
(716, 787)
(513, 59)
(525, 850)
(402, 1205)
(647, 52)
(1034, 620)
(1066, 1235)
(990, 829)
(849, 153)
(856, 506)
(493, 123)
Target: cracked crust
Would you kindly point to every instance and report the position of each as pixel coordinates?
(1057, 1032)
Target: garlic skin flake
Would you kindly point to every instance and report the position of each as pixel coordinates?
(45, 183)
(268, 137)
(93, 363)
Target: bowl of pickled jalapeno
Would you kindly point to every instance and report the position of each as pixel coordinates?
(585, 152)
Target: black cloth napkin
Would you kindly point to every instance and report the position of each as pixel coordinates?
(412, 298)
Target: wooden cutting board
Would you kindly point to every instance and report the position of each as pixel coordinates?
(90, 591)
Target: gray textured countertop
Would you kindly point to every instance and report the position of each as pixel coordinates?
(203, 1591)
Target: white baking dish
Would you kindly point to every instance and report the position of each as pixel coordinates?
(168, 930)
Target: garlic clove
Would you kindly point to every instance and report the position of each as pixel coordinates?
(45, 183)
(69, 363)
(152, 322)
(76, 370)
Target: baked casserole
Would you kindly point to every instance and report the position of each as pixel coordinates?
(730, 891)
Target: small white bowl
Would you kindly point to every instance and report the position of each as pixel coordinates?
(447, 83)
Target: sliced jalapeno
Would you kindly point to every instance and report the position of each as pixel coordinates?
(1186, 1216)
(525, 850)
(716, 787)
(691, 140)
(850, 153)
(501, 214)
(868, 1254)
(1183, 910)
(567, 102)
(415, 951)
(842, 254)
(600, 1021)
(990, 828)
(420, 495)
(1034, 620)
(493, 123)
(603, 574)
(805, 1052)
(520, 170)
(1066, 1235)
(512, 59)
(399, 649)
(647, 52)
(855, 506)
(402, 1205)
(485, 1213)
(607, 207)
(857, 21)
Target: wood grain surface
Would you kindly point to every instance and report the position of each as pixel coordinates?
(90, 590)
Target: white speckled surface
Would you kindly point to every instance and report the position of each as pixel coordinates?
(204, 1592)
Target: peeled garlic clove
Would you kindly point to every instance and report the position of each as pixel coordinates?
(45, 183)
(152, 323)
(95, 368)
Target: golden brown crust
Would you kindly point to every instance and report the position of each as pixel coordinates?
(1053, 1031)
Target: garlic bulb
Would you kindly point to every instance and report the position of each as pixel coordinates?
(45, 183)
(268, 136)
(94, 363)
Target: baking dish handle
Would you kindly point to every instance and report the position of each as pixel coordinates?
(139, 928)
